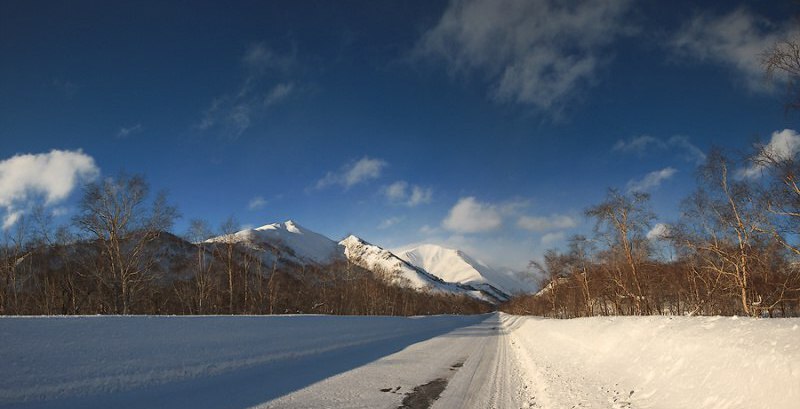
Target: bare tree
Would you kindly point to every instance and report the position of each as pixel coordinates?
(782, 62)
(227, 252)
(199, 231)
(622, 221)
(116, 213)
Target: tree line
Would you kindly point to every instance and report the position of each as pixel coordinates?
(119, 257)
(734, 249)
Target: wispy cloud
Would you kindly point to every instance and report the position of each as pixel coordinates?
(349, 175)
(235, 112)
(50, 177)
(401, 192)
(552, 222)
(387, 223)
(541, 53)
(644, 144)
(651, 180)
(735, 40)
(279, 93)
(127, 131)
(639, 144)
(257, 203)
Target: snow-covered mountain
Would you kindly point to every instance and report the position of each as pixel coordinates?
(394, 269)
(423, 268)
(457, 267)
(292, 241)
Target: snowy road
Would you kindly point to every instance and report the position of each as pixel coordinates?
(476, 362)
(489, 361)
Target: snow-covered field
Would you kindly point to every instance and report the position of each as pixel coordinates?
(485, 361)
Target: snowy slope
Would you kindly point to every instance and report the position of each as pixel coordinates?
(457, 267)
(303, 246)
(661, 362)
(381, 261)
(294, 241)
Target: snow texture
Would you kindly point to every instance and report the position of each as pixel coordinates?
(379, 260)
(493, 360)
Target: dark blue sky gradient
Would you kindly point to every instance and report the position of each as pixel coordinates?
(72, 74)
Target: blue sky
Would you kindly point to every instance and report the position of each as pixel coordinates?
(488, 126)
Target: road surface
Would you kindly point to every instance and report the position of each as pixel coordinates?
(487, 361)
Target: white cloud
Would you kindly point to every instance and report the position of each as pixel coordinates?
(396, 192)
(783, 145)
(352, 174)
(735, 40)
(651, 180)
(410, 195)
(387, 223)
(256, 203)
(125, 132)
(552, 222)
(552, 238)
(640, 145)
(471, 216)
(532, 52)
(50, 176)
(235, 112)
(659, 231)
(419, 195)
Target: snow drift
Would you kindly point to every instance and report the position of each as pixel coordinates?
(665, 362)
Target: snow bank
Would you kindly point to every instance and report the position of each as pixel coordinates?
(47, 358)
(662, 362)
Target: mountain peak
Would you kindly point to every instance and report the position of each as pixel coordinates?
(352, 239)
(456, 266)
(289, 225)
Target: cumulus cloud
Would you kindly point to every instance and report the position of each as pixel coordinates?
(354, 173)
(49, 176)
(410, 195)
(256, 203)
(470, 216)
(552, 222)
(658, 232)
(651, 180)
(234, 112)
(641, 145)
(736, 39)
(540, 52)
(784, 145)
